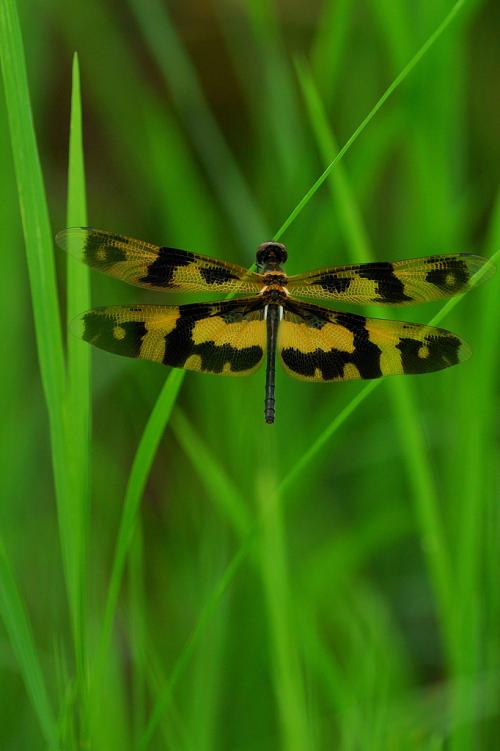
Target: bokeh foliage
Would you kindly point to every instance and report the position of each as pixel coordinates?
(216, 583)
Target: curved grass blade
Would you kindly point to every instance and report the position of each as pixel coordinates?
(18, 628)
(385, 96)
(180, 75)
(141, 466)
(225, 494)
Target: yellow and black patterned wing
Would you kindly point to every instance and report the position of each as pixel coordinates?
(317, 344)
(399, 283)
(227, 338)
(154, 267)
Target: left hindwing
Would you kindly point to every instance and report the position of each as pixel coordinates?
(399, 283)
(318, 344)
(227, 338)
(155, 267)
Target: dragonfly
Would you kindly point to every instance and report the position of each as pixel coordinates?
(232, 337)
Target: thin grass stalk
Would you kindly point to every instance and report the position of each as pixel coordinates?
(483, 480)
(78, 399)
(332, 39)
(472, 563)
(181, 77)
(286, 669)
(141, 466)
(165, 696)
(225, 495)
(430, 41)
(137, 609)
(279, 111)
(18, 627)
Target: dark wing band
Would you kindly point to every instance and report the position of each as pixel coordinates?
(154, 267)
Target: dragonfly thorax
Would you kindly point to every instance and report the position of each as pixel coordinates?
(274, 295)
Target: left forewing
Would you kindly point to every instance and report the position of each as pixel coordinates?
(317, 344)
(155, 267)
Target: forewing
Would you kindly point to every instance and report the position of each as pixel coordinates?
(399, 283)
(154, 267)
(317, 344)
(227, 338)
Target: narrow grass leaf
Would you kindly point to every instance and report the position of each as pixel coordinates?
(385, 96)
(78, 401)
(18, 628)
(138, 610)
(39, 253)
(284, 127)
(343, 199)
(180, 75)
(286, 669)
(224, 493)
(332, 39)
(141, 467)
(165, 696)
(33, 205)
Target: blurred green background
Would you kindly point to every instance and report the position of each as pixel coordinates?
(332, 581)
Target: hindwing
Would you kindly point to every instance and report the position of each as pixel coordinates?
(226, 338)
(318, 344)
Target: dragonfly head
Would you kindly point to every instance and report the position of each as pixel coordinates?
(270, 256)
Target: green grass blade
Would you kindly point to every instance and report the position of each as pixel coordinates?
(39, 253)
(141, 467)
(286, 669)
(138, 610)
(342, 196)
(332, 39)
(430, 41)
(78, 399)
(19, 631)
(179, 73)
(226, 496)
(474, 610)
(277, 95)
(482, 478)
(165, 696)
(305, 459)
(34, 214)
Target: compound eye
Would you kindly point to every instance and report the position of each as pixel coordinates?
(260, 255)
